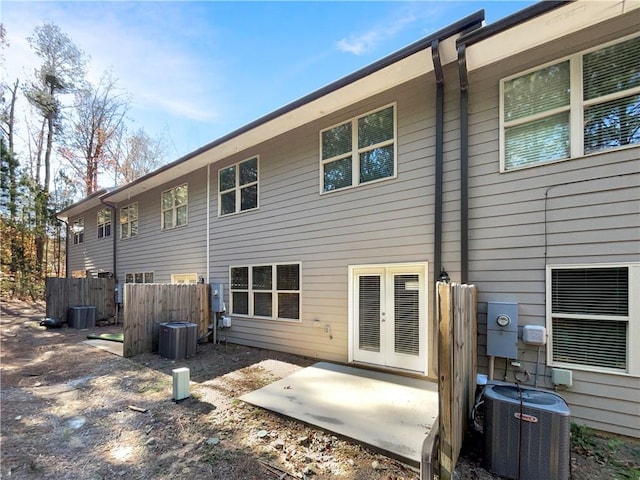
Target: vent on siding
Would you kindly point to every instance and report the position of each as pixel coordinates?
(583, 302)
(407, 314)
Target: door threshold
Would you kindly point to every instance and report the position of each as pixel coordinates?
(394, 371)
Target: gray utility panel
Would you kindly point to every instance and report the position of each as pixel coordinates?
(502, 329)
(177, 340)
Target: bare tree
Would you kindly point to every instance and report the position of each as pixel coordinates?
(61, 70)
(137, 154)
(97, 121)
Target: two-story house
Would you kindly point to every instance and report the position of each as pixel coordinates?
(507, 154)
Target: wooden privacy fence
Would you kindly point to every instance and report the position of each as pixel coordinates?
(457, 314)
(62, 293)
(146, 306)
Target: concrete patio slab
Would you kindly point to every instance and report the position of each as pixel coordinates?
(388, 412)
(116, 348)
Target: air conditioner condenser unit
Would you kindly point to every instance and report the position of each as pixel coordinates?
(526, 433)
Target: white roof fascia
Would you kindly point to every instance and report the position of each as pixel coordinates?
(409, 68)
(552, 26)
(82, 206)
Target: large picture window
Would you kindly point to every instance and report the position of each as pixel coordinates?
(359, 151)
(266, 291)
(591, 316)
(238, 187)
(174, 207)
(583, 104)
(129, 221)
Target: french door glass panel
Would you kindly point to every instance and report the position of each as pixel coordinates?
(389, 317)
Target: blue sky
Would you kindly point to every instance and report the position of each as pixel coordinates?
(198, 70)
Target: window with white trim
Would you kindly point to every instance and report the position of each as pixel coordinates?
(138, 277)
(174, 207)
(359, 151)
(238, 187)
(129, 221)
(78, 231)
(104, 223)
(583, 104)
(266, 291)
(592, 316)
(184, 278)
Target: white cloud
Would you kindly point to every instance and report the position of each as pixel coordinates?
(148, 47)
(365, 42)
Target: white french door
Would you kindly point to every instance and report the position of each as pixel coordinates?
(388, 316)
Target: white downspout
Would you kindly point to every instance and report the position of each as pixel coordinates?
(208, 220)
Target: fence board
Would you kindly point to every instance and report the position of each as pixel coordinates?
(62, 293)
(456, 309)
(146, 306)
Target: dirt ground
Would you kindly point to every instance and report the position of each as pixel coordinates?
(67, 414)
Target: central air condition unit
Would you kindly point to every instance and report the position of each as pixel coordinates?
(177, 340)
(526, 433)
(81, 317)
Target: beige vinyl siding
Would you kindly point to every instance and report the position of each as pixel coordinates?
(93, 254)
(590, 215)
(386, 222)
(165, 252)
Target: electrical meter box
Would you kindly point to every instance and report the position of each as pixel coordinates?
(502, 329)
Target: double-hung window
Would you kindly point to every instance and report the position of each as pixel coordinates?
(174, 207)
(238, 187)
(129, 221)
(266, 291)
(583, 104)
(78, 231)
(593, 313)
(104, 223)
(359, 151)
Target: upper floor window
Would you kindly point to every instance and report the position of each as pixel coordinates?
(174, 207)
(104, 223)
(584, 104)
(78, 231)
(359, 151)
(129, 221)
(592, 317)
(238, 187)
(267, 291)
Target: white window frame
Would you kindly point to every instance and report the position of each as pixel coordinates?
(174, 208)
(274, 292)
(184, 278)
(355, 151)
(238, 188)
(575, 108)
(129, 221)
(78, 231)
(131, 277)
(633, 319)
(106, 223)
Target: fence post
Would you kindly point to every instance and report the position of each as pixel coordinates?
(457, 360)
(443, 308)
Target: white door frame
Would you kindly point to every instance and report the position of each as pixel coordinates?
(391, 268)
